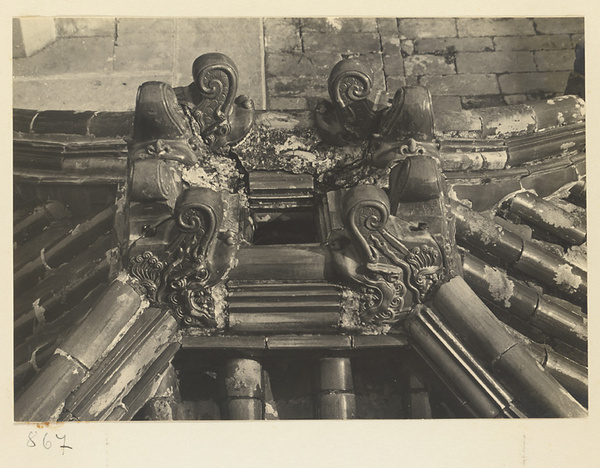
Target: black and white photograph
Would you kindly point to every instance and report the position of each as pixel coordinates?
(299, 218)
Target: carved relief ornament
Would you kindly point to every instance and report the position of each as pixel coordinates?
(216, 115)
(350, 115)
(196, 259)
(394, 268)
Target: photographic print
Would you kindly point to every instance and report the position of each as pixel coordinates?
(299, 218)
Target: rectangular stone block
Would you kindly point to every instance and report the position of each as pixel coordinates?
(148, 26)
(393, 64)
(477, 102)
(390, 46)
(461, 85)
(544, 42)
(387, 27)
(518, 83)
(323, 60)
(337, 25)
(576, 39)
(511, 99)
(299, 64)
(555, 60)
(412, 28)
(31, 34)
(452, 44)
(71, 27)
(279, 103)
(297, 86)
(282, 35)
(92, 55)
(392, 57)
(443, 104)
(572, 25)
(392, 83)
(82, 94)
(342, 43)
(131, 53)
(428, 65)
(407, 47)
(468, 27)
(494, 62)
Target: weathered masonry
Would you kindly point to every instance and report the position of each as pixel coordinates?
(198, 259)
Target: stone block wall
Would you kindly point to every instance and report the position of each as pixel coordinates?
(98, 62)
(465, 62)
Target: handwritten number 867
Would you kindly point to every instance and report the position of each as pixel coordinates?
(46, 441)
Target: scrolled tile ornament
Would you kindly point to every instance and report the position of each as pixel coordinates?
(394, 267)
(196, 259)
(216, 115)
(350, 115)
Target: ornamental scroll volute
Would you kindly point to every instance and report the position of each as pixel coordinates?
(396, 248)
(217, 115)
(197, 258)
(175, 248)
(350, 115)
(395, 268)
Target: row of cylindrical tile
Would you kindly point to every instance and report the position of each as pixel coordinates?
(508, 248)
(513, 119)
(471, 154)
(569, 226)
(335, 402)
(100, 360)
(245, 387)
(570, 374)
(88, 123)
(526, 303)
(456, 155)
(501, 353)
(122, 366)
(518, 118)
(475, 388)
(74, 242)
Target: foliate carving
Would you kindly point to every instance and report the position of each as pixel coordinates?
(219, 117)
(422, 264)
(394, 274)
(385, 304)
(147, 269)
(194, 308)
(426, 263)
(412, 148)
(406, 128)
(349, 115)
(196, 214)
(195, 260)
(216, 78)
